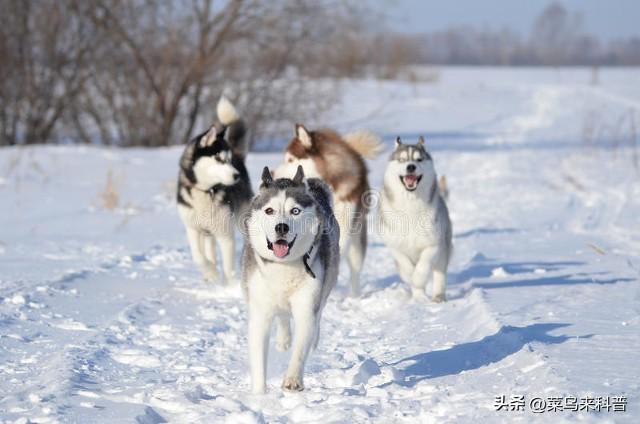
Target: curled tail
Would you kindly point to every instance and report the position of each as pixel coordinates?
(236, 134)
(366, 143)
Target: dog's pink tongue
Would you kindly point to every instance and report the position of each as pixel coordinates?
(280, 248)
(410, 179)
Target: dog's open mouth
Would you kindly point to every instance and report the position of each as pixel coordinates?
(280, 247)
(411, 181)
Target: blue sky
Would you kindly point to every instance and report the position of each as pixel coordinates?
(607, 19)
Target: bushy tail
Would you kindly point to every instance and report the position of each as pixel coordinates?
(366, 143)
(236, 128)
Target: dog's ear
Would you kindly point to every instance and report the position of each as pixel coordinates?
(421, 141)
(221, 131)
(299, 177)
(398, 142)
(209, 137)
(267, 178)
(303, 135)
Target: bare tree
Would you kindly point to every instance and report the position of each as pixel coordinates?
(160, 66)
(43, 48)
(555, 33)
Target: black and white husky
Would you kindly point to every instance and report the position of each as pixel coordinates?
(289, 267)
(414, 220)
(213, 191)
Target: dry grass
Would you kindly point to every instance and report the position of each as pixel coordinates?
(617, 133)
(109, 198)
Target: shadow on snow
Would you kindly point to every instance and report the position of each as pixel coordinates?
(473, 355)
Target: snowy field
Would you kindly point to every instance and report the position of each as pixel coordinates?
(104, 318)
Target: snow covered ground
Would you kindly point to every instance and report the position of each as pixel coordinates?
(103, 317)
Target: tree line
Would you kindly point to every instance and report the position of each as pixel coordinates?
(149, 72)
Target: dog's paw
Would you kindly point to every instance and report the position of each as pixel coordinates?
(211, 277)
(418, 294)
(232, 281)
(439, 298)
(354, 293)
(259, 389)
(292, 384)
(209, 273)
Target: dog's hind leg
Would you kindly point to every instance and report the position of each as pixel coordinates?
(316, 332)
(440, 278)
(283, 333)
(227, 251)
(357, 249)
(259, 326)
(355, 259)
(208, 270)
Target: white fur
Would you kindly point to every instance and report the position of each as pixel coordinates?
(204, 230)
(303, 228)
(210, 172)
(413, 240)
(227, 113)
(283, 289)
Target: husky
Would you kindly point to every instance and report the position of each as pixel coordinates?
(340, 162)
(289, 266)
(213, 191)
(414, 220)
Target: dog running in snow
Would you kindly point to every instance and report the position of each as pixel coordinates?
(413, 219)
(213, 191)
(340, 162)
(289, 266)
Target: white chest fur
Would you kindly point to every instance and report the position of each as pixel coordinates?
(208, 213)
(408, 222)
(273, 284)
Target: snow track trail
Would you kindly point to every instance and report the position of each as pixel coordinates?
(104, 318)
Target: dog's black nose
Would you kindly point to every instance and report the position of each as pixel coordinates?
(411, 168)
(282, 229)
(236, 176)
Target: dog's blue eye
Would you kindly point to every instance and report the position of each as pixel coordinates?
(295, 211)
(269, 211)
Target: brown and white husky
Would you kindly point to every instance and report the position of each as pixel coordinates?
(340, 162)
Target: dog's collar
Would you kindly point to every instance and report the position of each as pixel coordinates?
(305, 258)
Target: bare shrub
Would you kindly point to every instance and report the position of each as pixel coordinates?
(616, 133)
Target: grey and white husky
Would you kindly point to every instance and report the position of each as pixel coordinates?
(413, 219)
(289, 267)
(213, 191)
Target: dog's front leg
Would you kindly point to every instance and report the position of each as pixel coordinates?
(196, 241)
(422, 271)
(305, 323)
(404, 265)
(259, 327)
